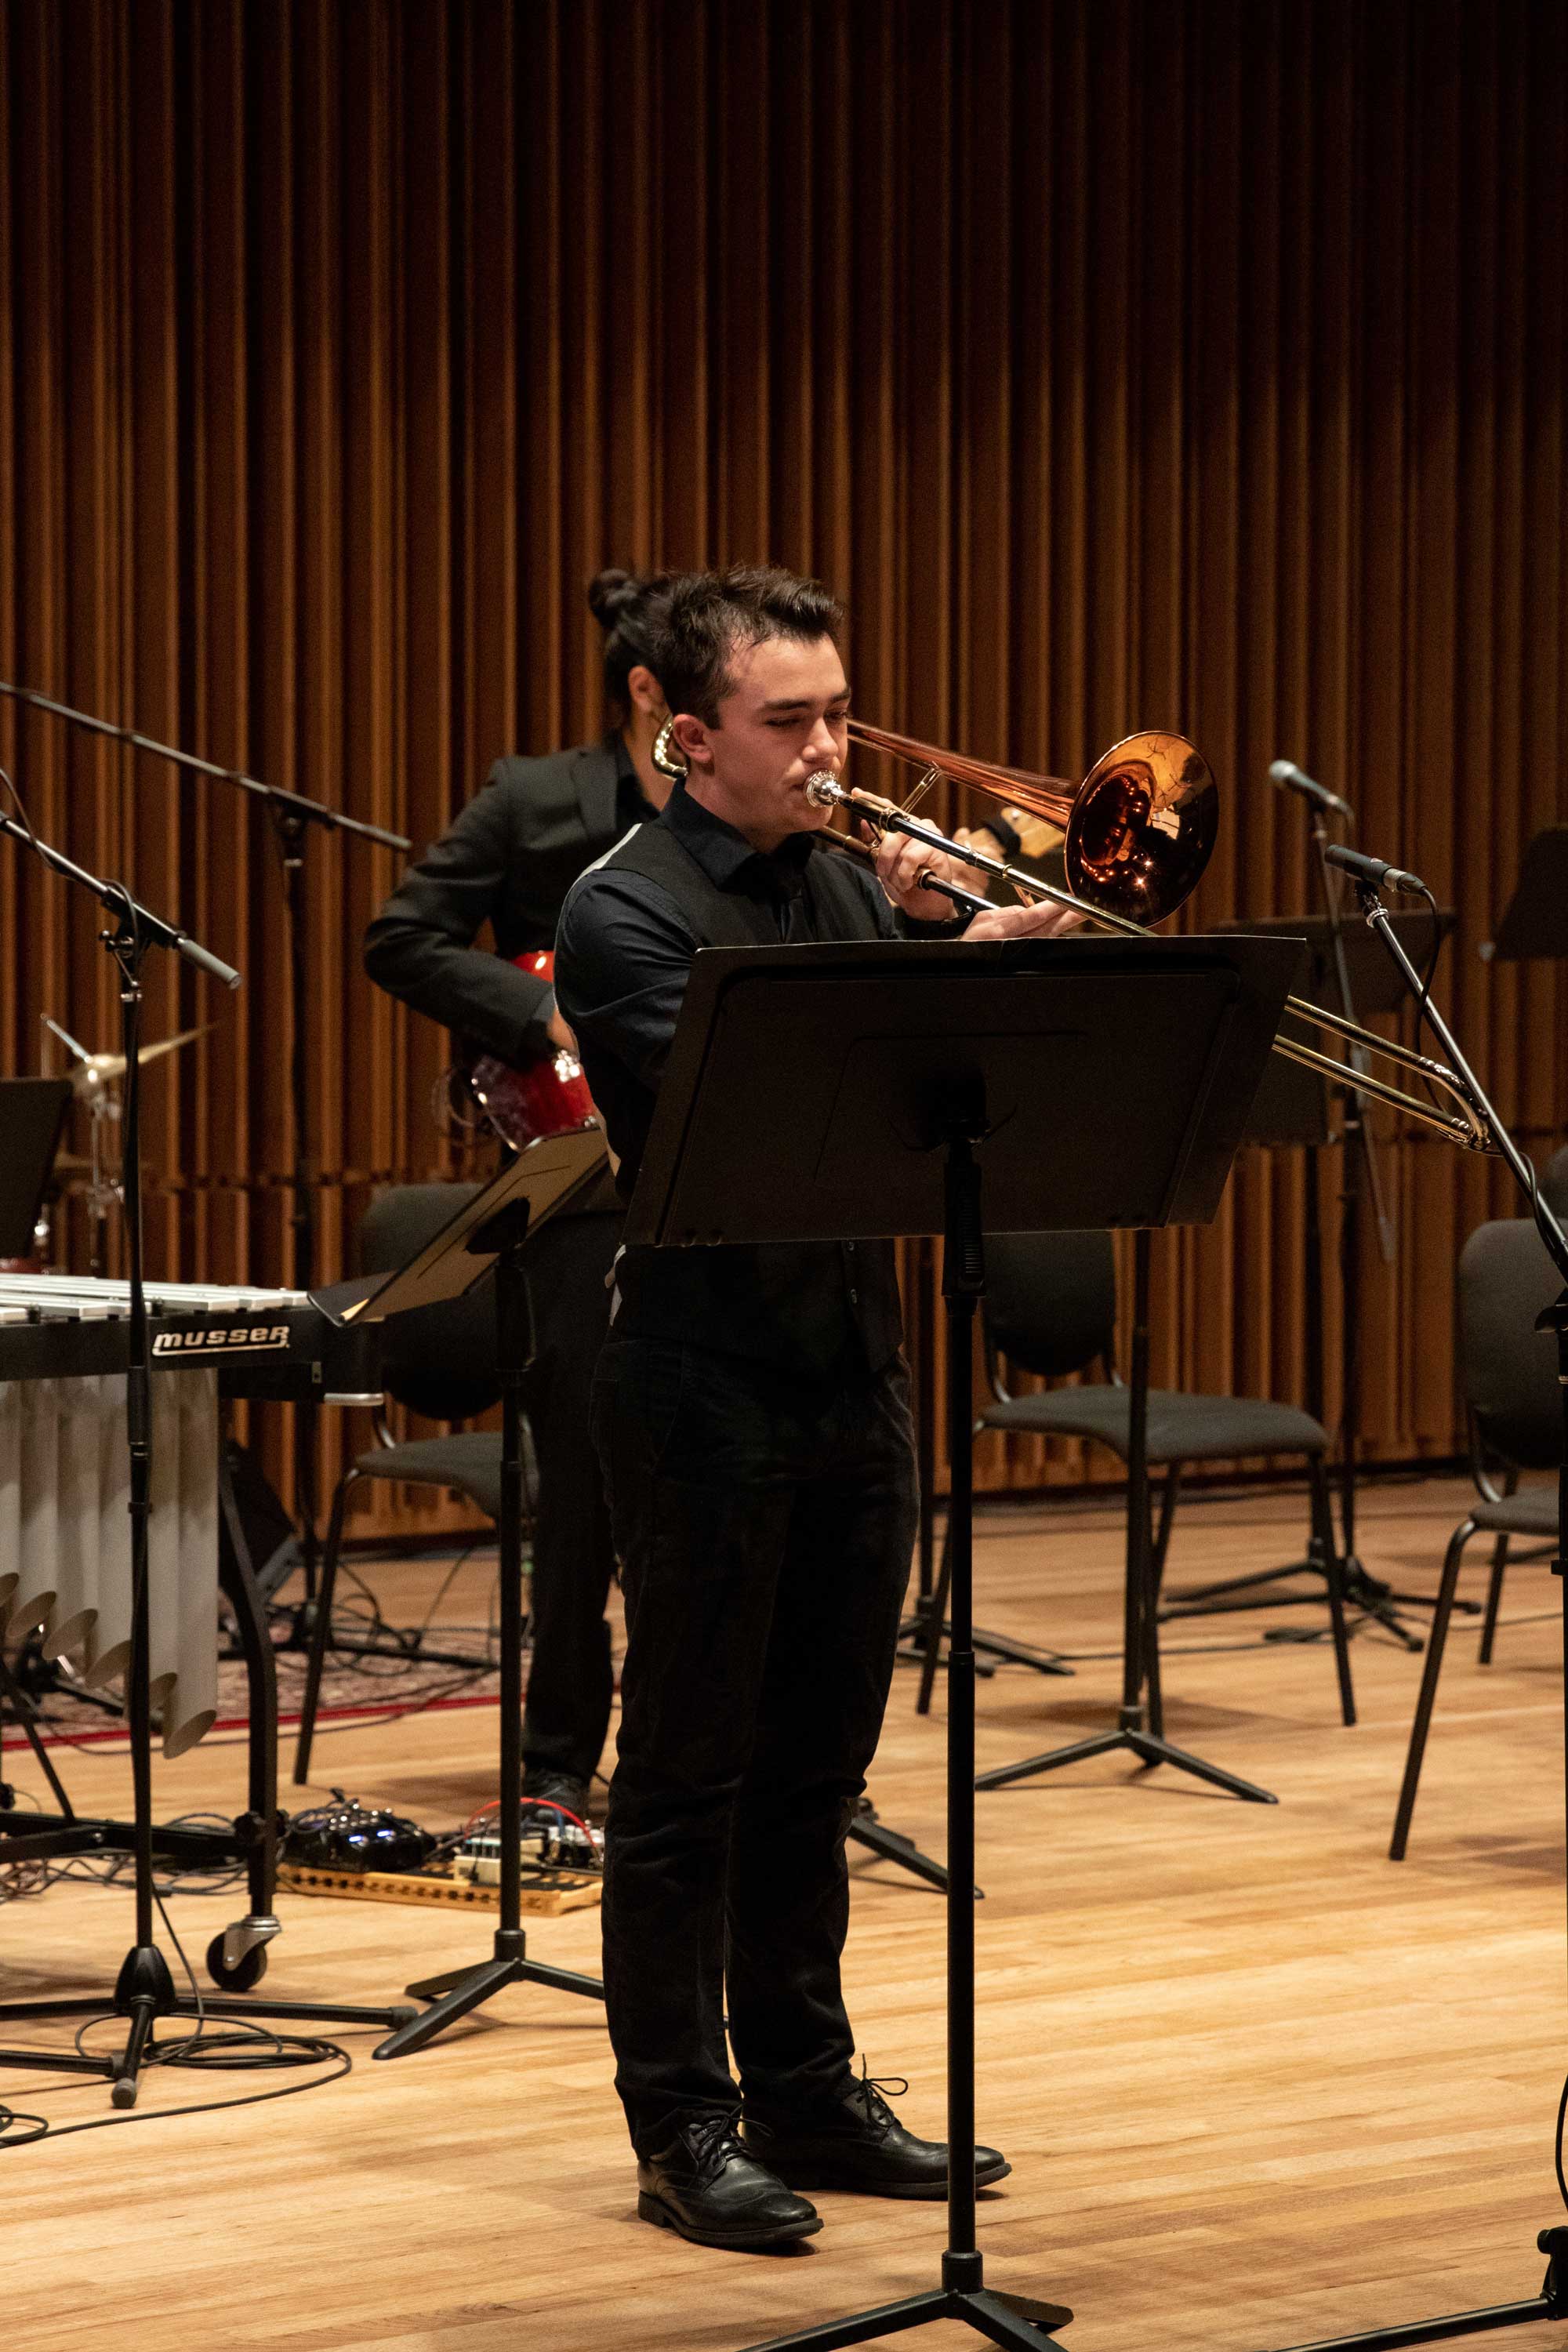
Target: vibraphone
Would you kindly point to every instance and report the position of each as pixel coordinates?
(64, 1554)
(65, 1550)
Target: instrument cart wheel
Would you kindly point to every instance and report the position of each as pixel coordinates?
(243, 1976)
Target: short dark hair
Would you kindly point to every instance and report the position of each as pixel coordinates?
(629, 606)
(711, 616)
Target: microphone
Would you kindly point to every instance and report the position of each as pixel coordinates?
(1376, 871)
(204, 960)
(1291, 778)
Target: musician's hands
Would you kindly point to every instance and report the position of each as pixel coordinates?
(901, 862)
(558, 1033)
(1044, 921)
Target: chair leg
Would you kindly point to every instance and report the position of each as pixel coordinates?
(322, 1630)
(1159, 1543)
(1334, 1571)
(1494, 1597)
(1162, 1543)
(1418, 1729)
(936, 1620)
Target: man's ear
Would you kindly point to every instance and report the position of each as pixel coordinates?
(691, 735)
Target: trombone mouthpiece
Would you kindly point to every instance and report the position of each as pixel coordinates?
(824, 791)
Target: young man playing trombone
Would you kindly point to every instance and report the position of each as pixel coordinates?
(750, 1411)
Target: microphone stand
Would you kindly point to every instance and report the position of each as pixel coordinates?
(143, 1989)
(1360, 1181)
(1551, 2302)
(294, 819)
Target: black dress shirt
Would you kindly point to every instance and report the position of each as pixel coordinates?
(820, 1311)
(507, 859)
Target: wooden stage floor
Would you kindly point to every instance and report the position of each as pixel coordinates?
(1260, 2084)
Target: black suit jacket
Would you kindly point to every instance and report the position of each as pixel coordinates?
(508, 859)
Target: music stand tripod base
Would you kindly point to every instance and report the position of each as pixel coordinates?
(489, 1232)
(1134, 1739)
(1008, 2319)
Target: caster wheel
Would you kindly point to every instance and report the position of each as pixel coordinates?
(242, 1978)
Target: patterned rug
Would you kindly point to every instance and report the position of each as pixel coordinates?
(400, 1682)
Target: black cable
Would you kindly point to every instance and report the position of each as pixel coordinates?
(406, 1644)
(198, 1878)
(10, 2115)
(377, 1709)
(323, 2050)
(1436, 951)
(1423, 1000)
(241, 2049)
(17, 803)
(1557, 2145)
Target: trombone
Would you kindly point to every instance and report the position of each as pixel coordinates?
(1139, 830)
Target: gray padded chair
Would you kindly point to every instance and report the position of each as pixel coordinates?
(1553, 1185)
(1050, 1308)
(1509, 1374)
(439, 1362)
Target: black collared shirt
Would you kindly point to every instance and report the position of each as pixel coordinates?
(819, 1311)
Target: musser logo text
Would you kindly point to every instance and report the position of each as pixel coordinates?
(226, 1336)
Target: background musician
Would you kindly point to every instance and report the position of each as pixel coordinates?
(507, 860)
(752, 1411)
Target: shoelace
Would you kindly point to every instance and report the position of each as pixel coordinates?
(871, 2094)
(713, 2141)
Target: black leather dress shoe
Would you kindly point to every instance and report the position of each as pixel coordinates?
(556, 1788)
(858, 2143)
(711, 2188)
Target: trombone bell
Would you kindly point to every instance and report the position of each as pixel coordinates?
(1141, 828)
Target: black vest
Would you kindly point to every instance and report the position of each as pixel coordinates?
(821, 1312)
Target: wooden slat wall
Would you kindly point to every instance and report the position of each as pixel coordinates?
(1126, 361)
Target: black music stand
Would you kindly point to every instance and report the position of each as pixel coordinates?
(32, 1114)
(561, 1172)
(883, 1090)
(1534, 926)
(1535, 921)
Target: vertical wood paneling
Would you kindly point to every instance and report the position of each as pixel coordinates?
(1127, 361)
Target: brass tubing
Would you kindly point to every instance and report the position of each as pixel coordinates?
(1460, 1126)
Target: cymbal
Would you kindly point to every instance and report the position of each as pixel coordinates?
(95, 1069)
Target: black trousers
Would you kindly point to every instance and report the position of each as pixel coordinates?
(570, 1681)
(764, 1541)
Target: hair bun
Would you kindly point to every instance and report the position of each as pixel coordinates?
(609, 593)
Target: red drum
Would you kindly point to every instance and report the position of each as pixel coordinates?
(549, 1096)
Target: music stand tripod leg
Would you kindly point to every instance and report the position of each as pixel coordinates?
(1004, 2319)
(963, 2294)
(867, 1830)
(459, 1990)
